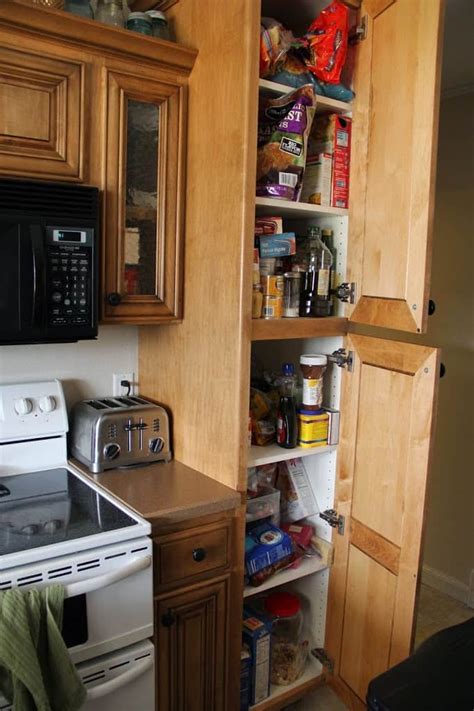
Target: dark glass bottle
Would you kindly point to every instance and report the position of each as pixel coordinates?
(316, 291)
(326, 306)
(286, 419)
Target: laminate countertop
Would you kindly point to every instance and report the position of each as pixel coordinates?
(165, 494)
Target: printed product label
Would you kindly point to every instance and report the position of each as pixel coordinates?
(342, 138)
(290, 179)
(323, 282)
(288, 145)
(312, 391)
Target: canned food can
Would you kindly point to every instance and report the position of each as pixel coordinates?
(272, 306)
(272, 285)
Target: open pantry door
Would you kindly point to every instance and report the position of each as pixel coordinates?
(387, 419)
(394, 142)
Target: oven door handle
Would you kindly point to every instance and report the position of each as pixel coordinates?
(102, 581)
(97, 692)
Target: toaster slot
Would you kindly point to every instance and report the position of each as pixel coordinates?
(97, 405)
(127, 401)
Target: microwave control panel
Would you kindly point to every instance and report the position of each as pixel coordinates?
(70, 255)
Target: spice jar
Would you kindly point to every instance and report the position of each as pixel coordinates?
(139, 22)
(159, 24)
(289, 646)
(313, 367)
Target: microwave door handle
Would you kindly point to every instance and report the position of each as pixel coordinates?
(102, 581)
(97, 692)
(39, 276)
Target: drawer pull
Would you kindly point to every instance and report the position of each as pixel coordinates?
(168, 619)
(199, 554)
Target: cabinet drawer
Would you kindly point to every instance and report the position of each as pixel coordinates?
(191, 554)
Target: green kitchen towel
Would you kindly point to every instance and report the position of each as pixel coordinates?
(36, 671)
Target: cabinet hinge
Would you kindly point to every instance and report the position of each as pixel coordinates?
(346, 292)
(359, 32)
(342, 358)
(322, 656)
(334, 520)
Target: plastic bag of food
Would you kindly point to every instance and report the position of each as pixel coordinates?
(275, 41)
(283, 127)
(326, 40)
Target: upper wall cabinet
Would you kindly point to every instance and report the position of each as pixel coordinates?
(83, 101)
(397, 70)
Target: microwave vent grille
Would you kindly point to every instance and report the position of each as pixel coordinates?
(48, 200)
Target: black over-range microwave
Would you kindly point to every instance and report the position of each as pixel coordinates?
(48, 262)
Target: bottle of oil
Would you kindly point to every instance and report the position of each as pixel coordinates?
(287, 433)
(315, 297)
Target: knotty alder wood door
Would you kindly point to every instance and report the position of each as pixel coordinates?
(191, 642)
(386, 426)
(394, 141)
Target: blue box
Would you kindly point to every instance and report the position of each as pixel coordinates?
(283, 245)
(256, 635)
(245, 678)
(271, 544)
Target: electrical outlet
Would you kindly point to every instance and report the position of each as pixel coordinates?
(118, 389)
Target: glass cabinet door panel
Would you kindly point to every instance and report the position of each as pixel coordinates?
(141, 198)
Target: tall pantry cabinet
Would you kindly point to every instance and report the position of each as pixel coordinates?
(362, 610)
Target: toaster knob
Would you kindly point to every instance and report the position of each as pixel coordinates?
(156, 445)
(111, 451)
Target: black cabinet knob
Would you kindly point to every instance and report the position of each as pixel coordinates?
(442, 370)
(431, 307)
(168, 619)
(199, 554)
(114, 298)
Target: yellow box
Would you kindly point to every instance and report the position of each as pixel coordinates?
(312, 428)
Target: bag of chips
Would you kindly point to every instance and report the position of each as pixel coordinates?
(326, 40)
(283, 128)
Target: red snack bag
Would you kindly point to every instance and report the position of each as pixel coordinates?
(327, 42)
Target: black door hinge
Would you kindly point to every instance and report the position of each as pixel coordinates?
(333, 519)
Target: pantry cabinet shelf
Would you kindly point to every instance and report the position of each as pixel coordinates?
(274, 453)
(286, 328)
(323, 103)
(286, 208)
(281, 696)
(308, 566)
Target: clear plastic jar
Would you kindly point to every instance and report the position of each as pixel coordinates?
(313, 367)
(289, 645)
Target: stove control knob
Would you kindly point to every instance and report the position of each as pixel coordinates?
(30, 530)
(23, 406)
(156, 445)
(112, 450)
(47, 403)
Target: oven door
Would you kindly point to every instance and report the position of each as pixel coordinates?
(109, 595)
(120, 681)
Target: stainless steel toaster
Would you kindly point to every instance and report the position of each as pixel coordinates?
(119, 431)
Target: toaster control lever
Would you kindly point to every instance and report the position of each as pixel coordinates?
(156, 444)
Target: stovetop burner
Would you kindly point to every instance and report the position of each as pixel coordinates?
(46, 507)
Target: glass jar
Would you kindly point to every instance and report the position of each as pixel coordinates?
(139, 22)
(289, 645)
(291, 294)
(79, 7)
(110, 12)
(159, 24)
(313, 367)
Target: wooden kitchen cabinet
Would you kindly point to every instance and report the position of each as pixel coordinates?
(86, 102)
(361, 611)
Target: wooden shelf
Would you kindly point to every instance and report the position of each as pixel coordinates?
(280, 329)
(323, 103)
(274, 453)
(287, 208)
(308, 566)
(281, 696)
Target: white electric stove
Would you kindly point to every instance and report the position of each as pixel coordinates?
(57, 526)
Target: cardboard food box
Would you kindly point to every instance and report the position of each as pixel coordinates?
(331, 134)
(256, 635)
(297, 500)
(278, 245)
(317, 180)
(245, 678)
(268, 226)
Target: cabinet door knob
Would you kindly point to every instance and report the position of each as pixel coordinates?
(168, 619)
(114, 298)
(199, 554)
(431, 307)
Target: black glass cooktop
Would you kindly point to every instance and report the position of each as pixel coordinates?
(52, 506)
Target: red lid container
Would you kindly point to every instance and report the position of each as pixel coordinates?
(283, 604)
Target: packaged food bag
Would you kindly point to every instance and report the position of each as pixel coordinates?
(283, 128)
(327, 39)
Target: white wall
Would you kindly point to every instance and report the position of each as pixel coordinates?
(85, 368)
